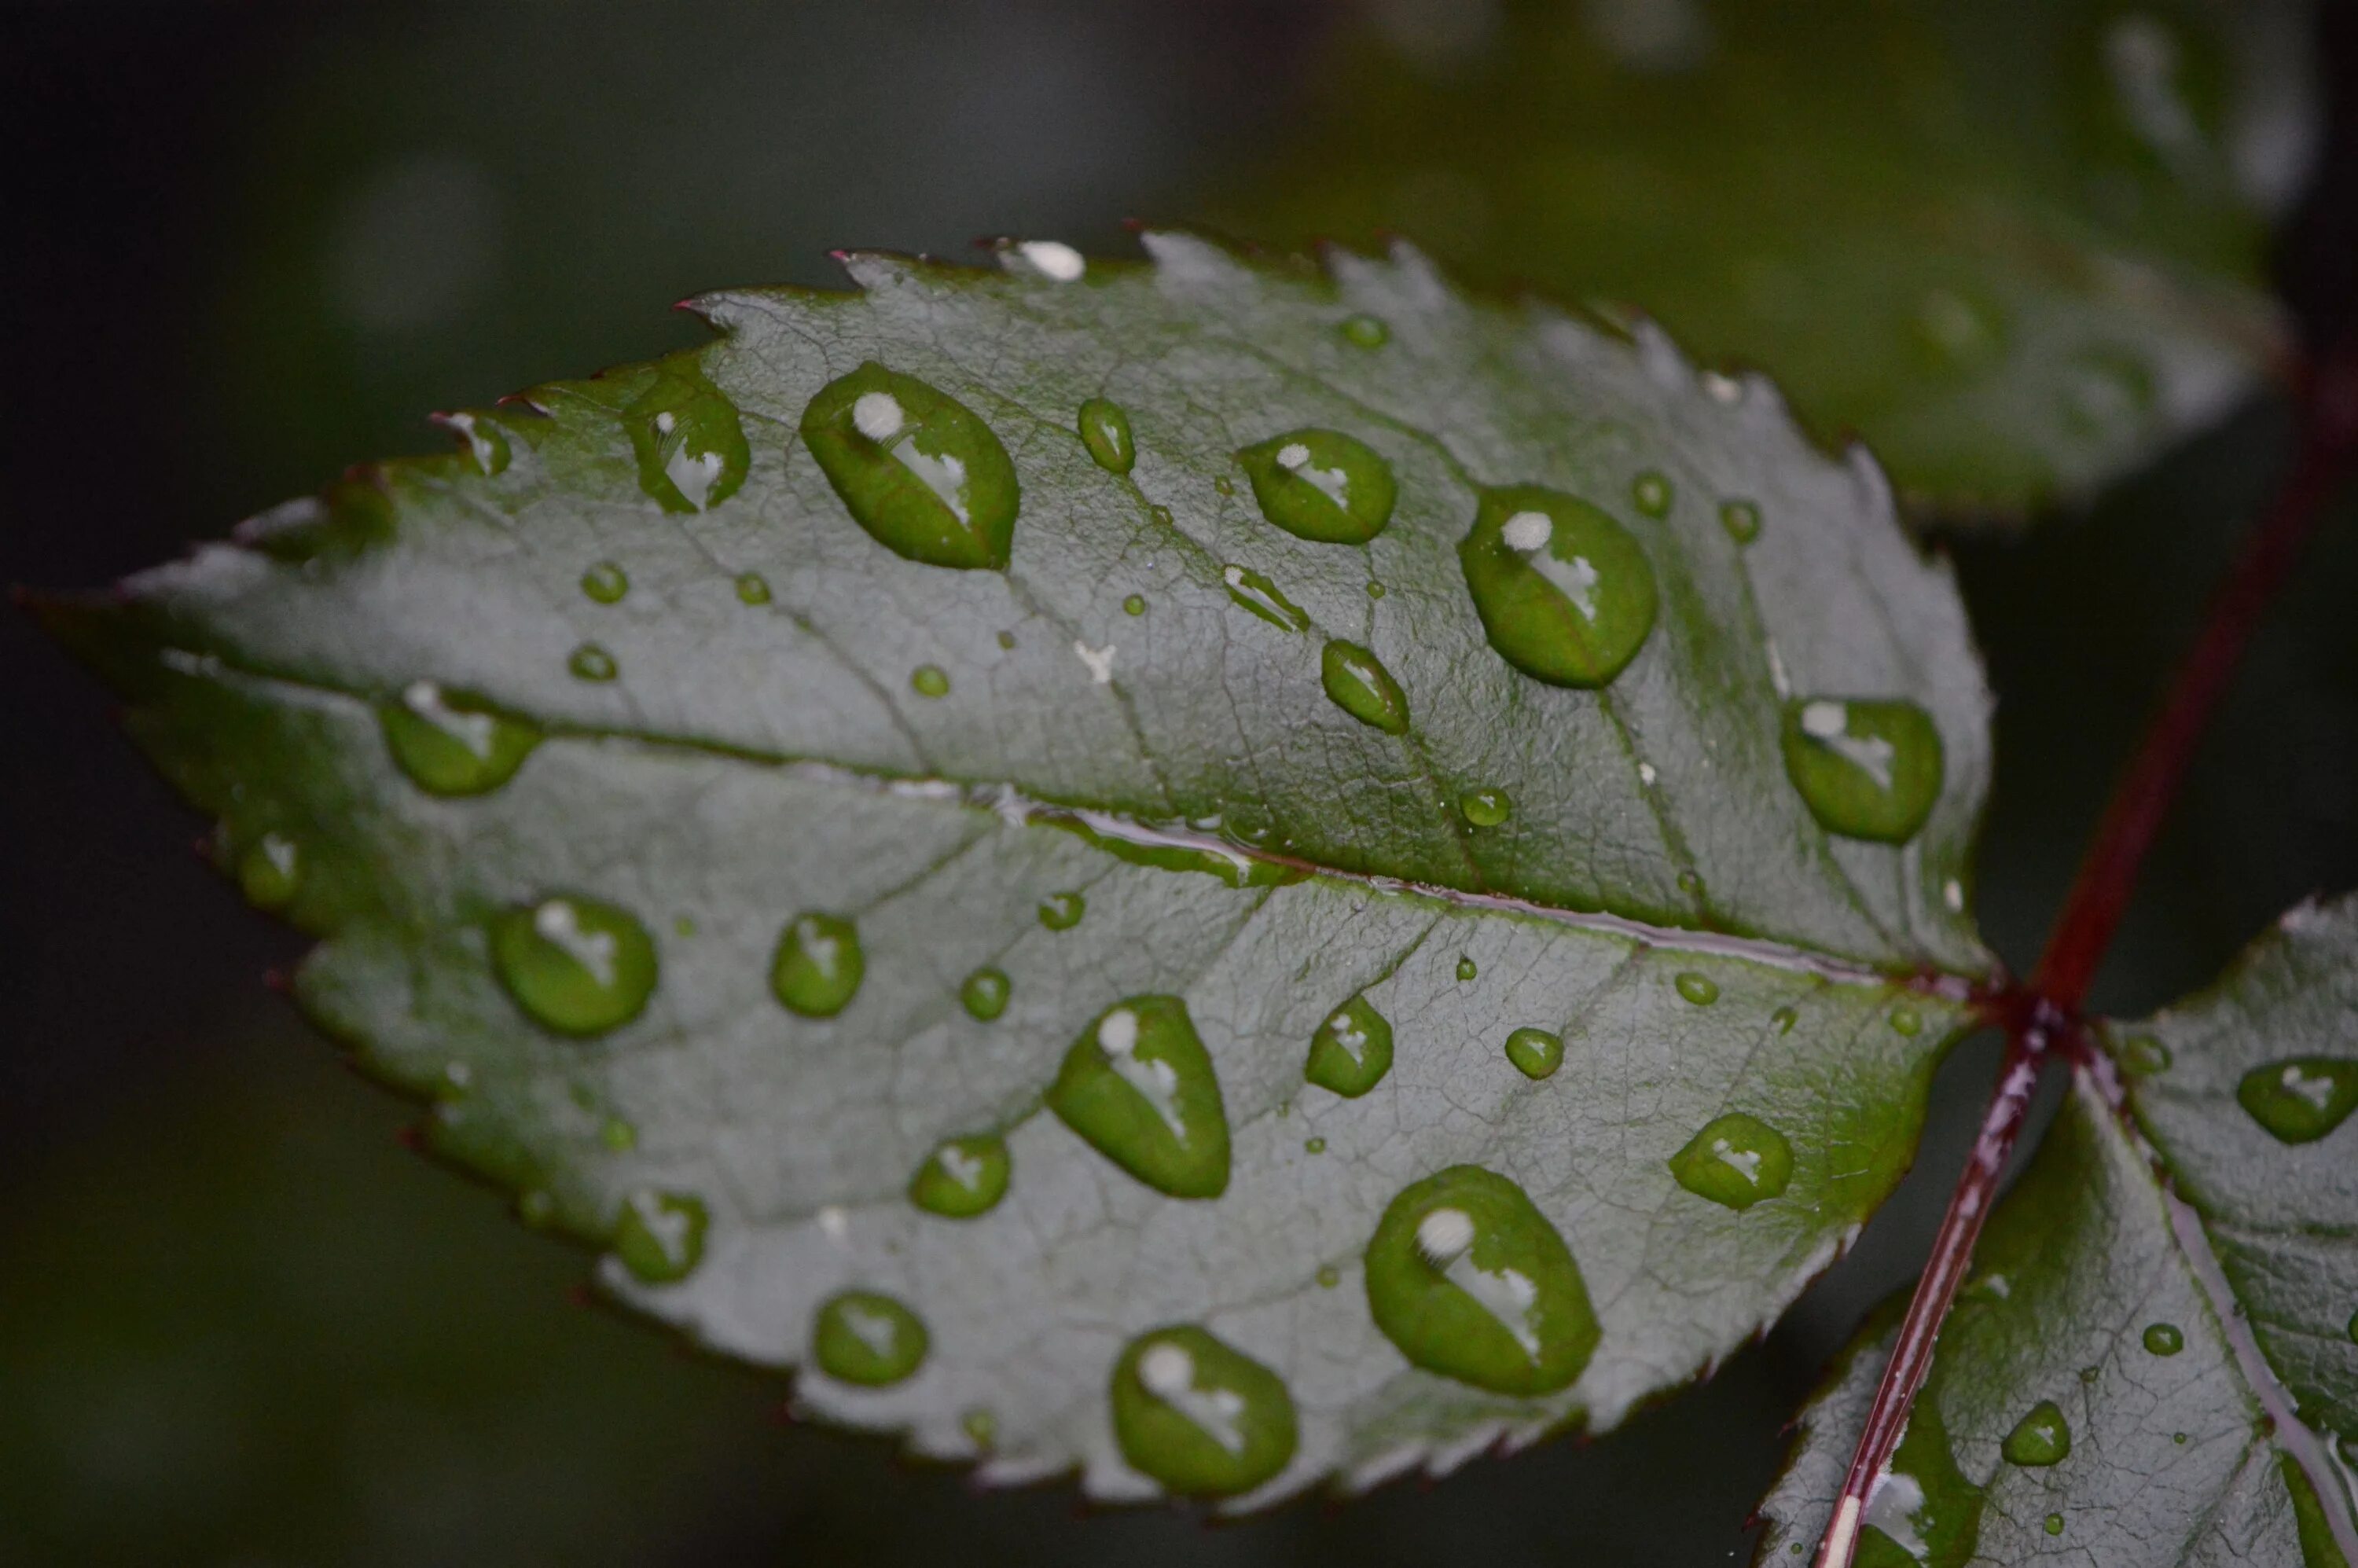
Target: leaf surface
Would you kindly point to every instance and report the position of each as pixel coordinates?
(962, 981)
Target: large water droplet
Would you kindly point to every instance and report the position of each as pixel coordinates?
(690, 444)
(1923, 1513)
(1200, 1416)
(819, 966)
(591, 661)
(606, 582)
(453, 742)
(1485, 808)
(1564, 592)
(2041, 1438)
(2164, 1339)
(1258, 594)
(270, 872)
(868, 1338)
(1468, 1280)
(2301, 1099)
(660, 1236)
(1866, 769)
(1321, 485)
(929, 680)
(984, 995)
(918, 470)
(1700, 990)
(1062, 911)
(1736, 1159)
(577, 966)
(962, 1177)
(1360, 685)
(1535, 1053)
(1139, 1085)
(1105, 431)
(1352, 1050)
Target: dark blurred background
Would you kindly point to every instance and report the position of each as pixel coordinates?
(241, 246)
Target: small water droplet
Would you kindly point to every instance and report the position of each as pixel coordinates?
(1255, 593)
(1360, 685)
(577, 966)
(1784, 1018)
(2054, 1524)
(1485, 808)
(962, 1178)
(2164, 1339)
(2301, 1099)
(1366, 331)
(1352, 1050)
(606, 582)
(1465, 969)
(929, 680)
(2178, 1437)
(1162, 515)
(1866, 769)
(2041, 1438)
(1321, 485)
(981, 1425)
(270, 872)
(753, 587)
(1062, 911)
(2144, 1056)
(689, 442)
(818, 965)
(1198, 1415)
(1742, 521)
(1329, 1276)
(454, 743)
(866, 1337)
(1907, 1021)
(1134, 605)
(591, 661)
(1007, 639)
(618, 1135)
(1316, 1145)
(1467, 1279)
(485, 442)
(1700, 989)
(1736, 1159)
(1138, 1086)
(917, 468)
(660, 1236)
(985, 993)
(1224, 484)
(1105, 431)
(1563, 591)
(2090, 1374)
(1534, 1051)
(1375, 588)
(1651, 494)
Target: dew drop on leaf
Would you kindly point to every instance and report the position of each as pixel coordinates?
(1134, 605)
(1907, 1021)
(753, 587)
(2054, 1524)
(2301, 1099)
(1650, 493)
(818, 965)
(1485, 808)
(1256, 593)
(1062, 911)
(1315, 1145)
(689, 442)
(962, 1177)
(1465, 968)
(2041, 1438)
(618, 1135)
(1105, 431)
(917, 468)
(1564, 593)
(1784, 1018)
(2144, 1056)
(866, 1337)
(1534, 1051)
(1736, 1159)
(485, 442)
(929, 680)
(1360, 685)
(575, 965)
(1866, 769)
(1742, 521)
(270, 871)
(606, 582)
(1321, 485)
(2164, 1339)
(1700, 989)
(591, 661)
(1352, 1050)
(1366, 332)
(1329, 1276)
(660, 1236)
(985, 993)
(452, 742)
(1198, 1415)
(1138, 1086)
(1467, 1279)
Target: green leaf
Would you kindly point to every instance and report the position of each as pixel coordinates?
(2021, 246)
(2127, 1377)
(930, 973)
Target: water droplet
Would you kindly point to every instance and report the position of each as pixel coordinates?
(1566, 594)
(1465, 969)
(1138, 1086)
(606, 582)
(981, 1425)
(1329, 1276)
(1700, 989)
(962, 1177)
(1485, 808)
(577, 966)
(1736, 1159)
(1224, 484)
(985, 993)
(2054, 1524)
(1316, 1145)
(690, 445)
(1866, 769)
(1375, 588)
(2039, 1438)
(929, 680)
(2090, 1374)
(2144, 1056)
(618, 1135)
(1054, 259)
(919, 468)
(1651, 494)
(1742, 521)
(2178, 1437)
(660, 1236)
(1258, 594)
(753, 587)
(2301, 1099)
(1366, 331)
(1691, 884)
(1321, 485)
(485, 442)
(270, 871)
(1907, 1021)
(2164, 1339)
(591, 661)
(868, 1338)
(1784, 1018)
(453, 742)
(1198, 1415)
(1062, 911)
(1162, 515)
(1360, 685)
(819, 966)
(1352, 1050)
(1105, 431)
(1535, 1053)
(1134, 605)
(1468, 1280)
(1007, 639)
